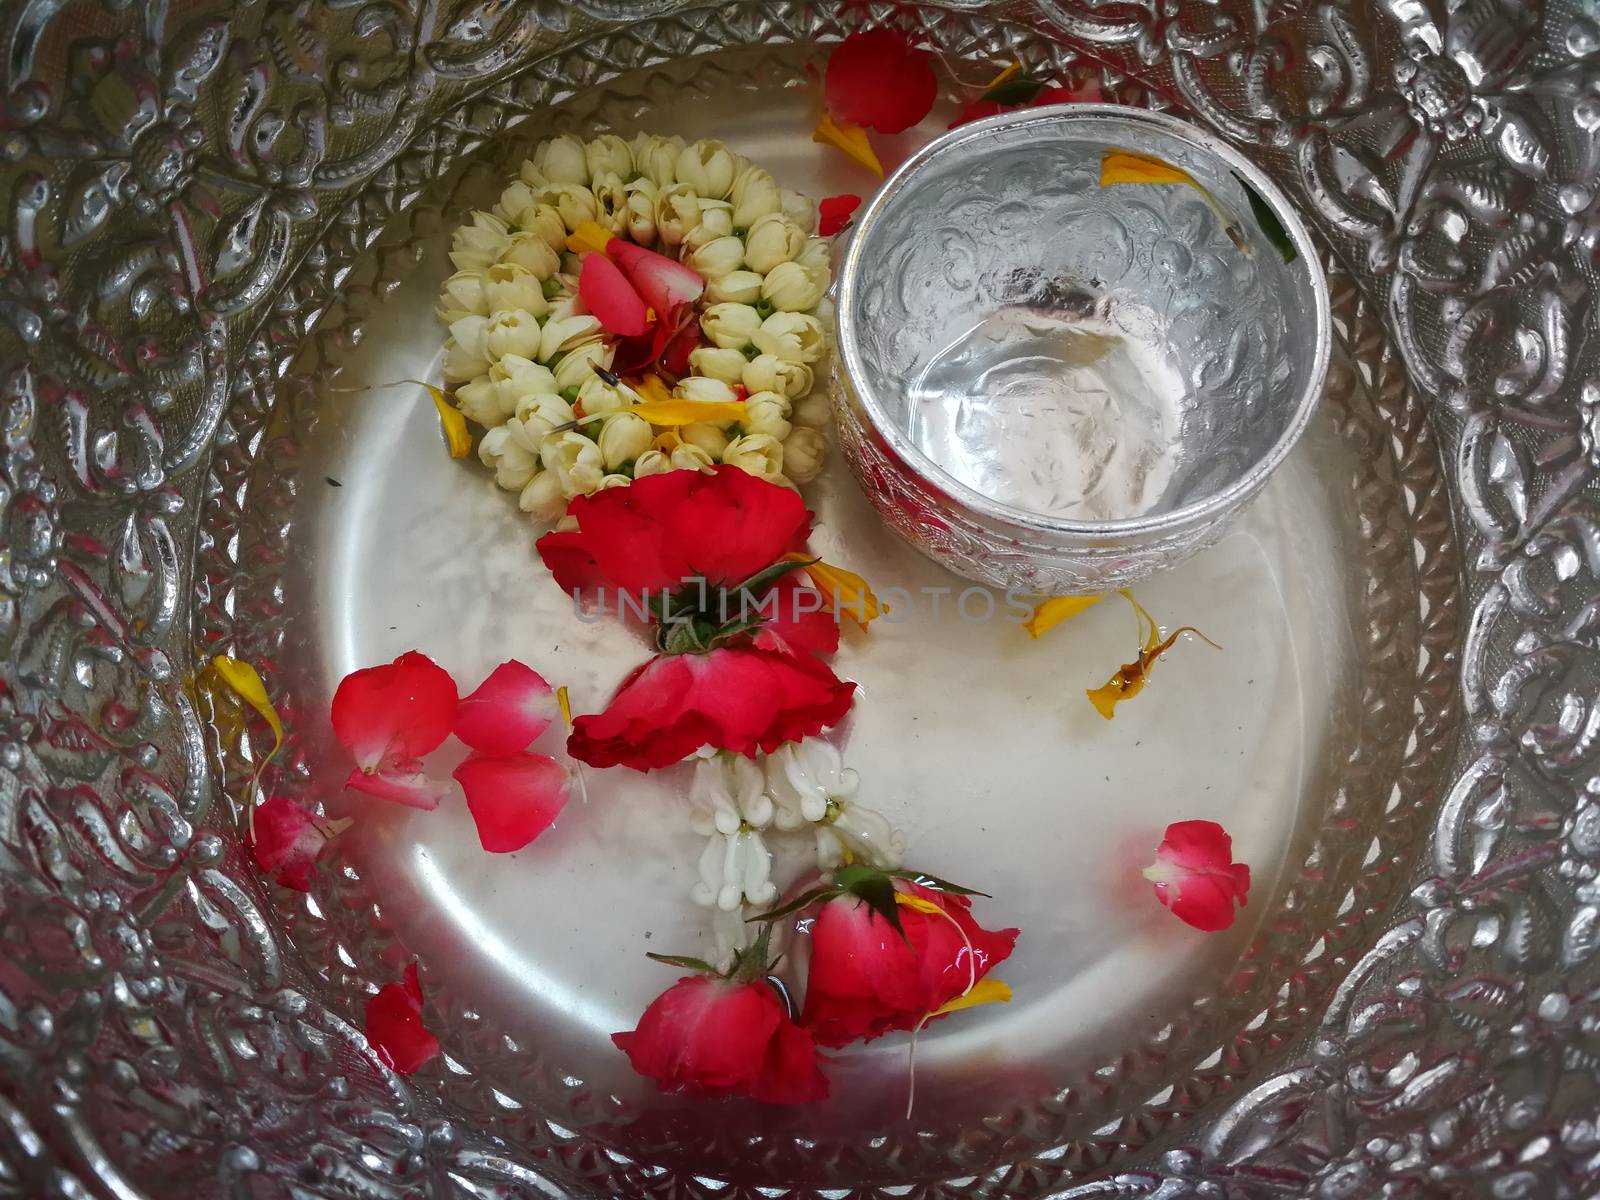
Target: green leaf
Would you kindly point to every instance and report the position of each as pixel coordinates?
(1019, 89)
(767, 576)
(795, 905)
(1271, 228)
(684, 961)
(876, 889)
(937, 884)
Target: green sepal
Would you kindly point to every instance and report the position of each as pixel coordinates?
(1019, 89)
(1271, 228)
(684, 961)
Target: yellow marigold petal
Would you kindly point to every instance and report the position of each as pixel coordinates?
(918, 904)
(1005, 76)
(1106, 698)
(652, 387)
(1056, 610)
(1123, 166)
(452, 422)
(589, 236)
(985, 991)
(671, 413)
(245, 680)
(666, 441)
(565, 704)
(852, 139)
(845, 591)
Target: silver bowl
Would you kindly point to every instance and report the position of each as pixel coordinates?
(1051, 385)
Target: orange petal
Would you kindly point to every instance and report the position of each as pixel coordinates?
(1123, 166)
(453, 424)
(652, 388)
(985, 991)
(667, 441)
(852, 139)
(845, 591)
(918, 904)
(589, 236)
(1056, 610)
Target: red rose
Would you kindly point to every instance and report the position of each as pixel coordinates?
(866, 980)
(711, 1036)
(742, 700)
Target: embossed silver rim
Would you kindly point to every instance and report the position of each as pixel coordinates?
(1083, 115)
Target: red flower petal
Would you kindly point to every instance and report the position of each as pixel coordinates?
(511, 707)
(666, 343)
(393, 713)
(1195, 876)
(865, 980)
(394, 1025)
(711, 1037)
(287, 842)
(739, 700)
(976, 110)
(800, 621)
(512, 797)
(662, 282)
(876, 79)
(404, 783)
(611, 298)
(834, 213)
(663, 530)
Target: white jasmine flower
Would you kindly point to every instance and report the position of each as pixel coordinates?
(574, 460)
(769, 373)
(540, 413)
(563, 333)
(516, 377)
(715, 363)
(754, 195)
(717, 258)
(735, 869)
(623, 437)
(800, 209)
(656, 157)
(480, 402)
(525, 436)
(708, 167)
(577, 368)
(543, 498)
(757, 454)
(510, 285)
(641, 212)
(707, 391)
(730, 326)
(651, 462)
(816, 255)
(514, 466)
(611, 202)
(512, 331)
(737, 287)
(598, 396)
(544, 221)
(768, 413)
(706, 437)
(575, 204)
(866, 836)
(803, 453)
(772, 240)
(686, 457)
(531, 175)
(793, 337)
(466, 352)
(532, 252)
(715, 221)
(562, 160)
(608, 153)
(478, 244)
(462, 296)
(728, 791)
(614, 481)
(802, 777)
(677, 211)
(518, 197)
(789, 287)
(813, 411)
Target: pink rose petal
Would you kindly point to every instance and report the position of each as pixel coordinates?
(1195, 876)
(393, 713)
(661, 282)
(611, 298)
(512, 797)
(404, 783)
(511, 707)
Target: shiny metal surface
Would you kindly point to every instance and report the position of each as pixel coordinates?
(206, 205)
(1087, 461)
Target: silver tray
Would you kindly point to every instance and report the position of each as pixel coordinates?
(218, 216)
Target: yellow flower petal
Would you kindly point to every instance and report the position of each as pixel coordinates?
(1124, 166)
(666, 441)
(246, 683)
(1005, 76)
(852, 139)
(671, 413)
(589, 236)
(918, 904)
(985, 991)
(1056, 610)
(652, 387)
(452, 422)
(845, 591)
(565, 704)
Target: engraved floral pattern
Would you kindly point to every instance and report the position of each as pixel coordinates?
(189, 191)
